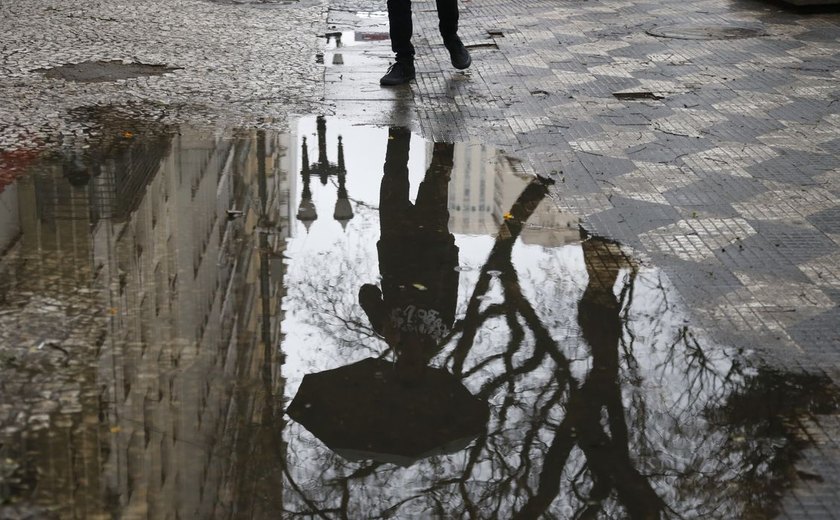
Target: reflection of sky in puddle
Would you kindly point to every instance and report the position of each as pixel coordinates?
(599, 391)
(372, 14)
(344, 39)
(361, 47)
(161, 261)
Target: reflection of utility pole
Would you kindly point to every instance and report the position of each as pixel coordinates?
(323, 168)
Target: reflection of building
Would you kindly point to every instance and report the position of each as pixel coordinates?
(484, 186)
(471, 195)
(9, 220)
(191, 289)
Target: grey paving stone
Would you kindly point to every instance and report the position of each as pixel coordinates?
(827, 221)
(820, 333)
(793, 166)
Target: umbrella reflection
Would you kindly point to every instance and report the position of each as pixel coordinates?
(365, 411)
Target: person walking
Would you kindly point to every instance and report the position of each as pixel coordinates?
(401, 28)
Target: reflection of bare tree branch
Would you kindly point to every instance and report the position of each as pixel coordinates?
(528, 457)
(522, 209)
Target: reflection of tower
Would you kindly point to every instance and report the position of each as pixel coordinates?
(343, 211)
(324, 169)
(306, 212)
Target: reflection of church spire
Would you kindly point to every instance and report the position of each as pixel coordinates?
(323, 168)
(343, 211)
(306, 211)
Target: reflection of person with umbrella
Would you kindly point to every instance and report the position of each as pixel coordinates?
(415, 309)
(370, 409)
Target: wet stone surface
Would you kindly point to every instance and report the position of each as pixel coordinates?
(258, 3)
(237, 65)
(351, 321)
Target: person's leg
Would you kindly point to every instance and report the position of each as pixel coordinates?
(447, 18)
(432, 204)
(394, 204)
(401, 28)
(448, 26)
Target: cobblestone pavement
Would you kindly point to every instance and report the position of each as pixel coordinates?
(237, 63)
(704, 135)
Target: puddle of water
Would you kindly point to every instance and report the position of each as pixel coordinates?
(352, 321)
(265, 4)
(355, 49)
(706, 32)
(99, 71)
(378, 15)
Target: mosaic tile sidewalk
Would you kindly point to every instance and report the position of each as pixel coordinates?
(714, 153)
(704, 135)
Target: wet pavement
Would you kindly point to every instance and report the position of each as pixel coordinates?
(237, 63)
(594, 276)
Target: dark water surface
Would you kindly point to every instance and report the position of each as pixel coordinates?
(352, 322)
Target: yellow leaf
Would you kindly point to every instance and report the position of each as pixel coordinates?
(112, 311)
(508, 216)
(127, 134)
(419, 286)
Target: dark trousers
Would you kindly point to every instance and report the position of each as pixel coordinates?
(399, 19)
(415, 245)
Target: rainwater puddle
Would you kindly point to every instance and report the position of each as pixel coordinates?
(265, 4)
(104, 71)
(359, 48)
(706, 32)
(349, 321)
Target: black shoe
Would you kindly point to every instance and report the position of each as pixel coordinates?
(399, 73)
(458, 54)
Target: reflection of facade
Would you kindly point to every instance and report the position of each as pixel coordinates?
(471, 194)
(9, 220)
(484, 186)
(191, 291)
